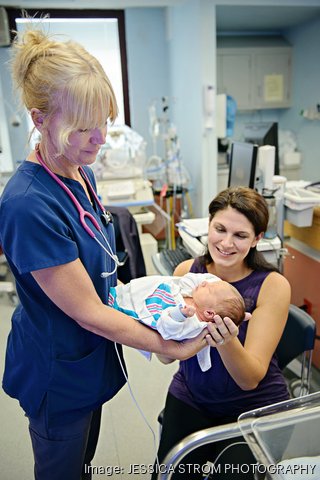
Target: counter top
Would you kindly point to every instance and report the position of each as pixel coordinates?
(308, 235)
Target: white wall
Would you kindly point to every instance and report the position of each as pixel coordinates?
(192, 66)
(306, 94)
(148, 65)
(171, 53)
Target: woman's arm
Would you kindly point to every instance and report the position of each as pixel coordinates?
(183, 268)
(71, 289)
(248, 364)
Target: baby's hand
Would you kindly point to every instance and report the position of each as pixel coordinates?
(187, 310)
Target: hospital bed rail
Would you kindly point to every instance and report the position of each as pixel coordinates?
(193, 441)
(283, 432)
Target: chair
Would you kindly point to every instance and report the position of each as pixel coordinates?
(297, 340)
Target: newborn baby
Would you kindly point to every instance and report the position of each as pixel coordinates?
(179, 307)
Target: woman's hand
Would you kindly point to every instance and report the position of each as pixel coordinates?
(221, 331)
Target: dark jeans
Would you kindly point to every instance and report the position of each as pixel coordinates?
(181, 420)
(63, 452)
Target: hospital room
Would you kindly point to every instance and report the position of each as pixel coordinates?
(159, 282)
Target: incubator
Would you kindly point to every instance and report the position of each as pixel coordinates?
(283, 437)
(121, 182)
(119, 170)
(122, 156)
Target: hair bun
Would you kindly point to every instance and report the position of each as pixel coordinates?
(27, 47)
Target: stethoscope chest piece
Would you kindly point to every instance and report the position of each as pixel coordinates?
(106, 218)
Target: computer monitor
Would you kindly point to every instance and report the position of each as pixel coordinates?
(242, 164)
(264, 133)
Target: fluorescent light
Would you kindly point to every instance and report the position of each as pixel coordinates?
(66, 20)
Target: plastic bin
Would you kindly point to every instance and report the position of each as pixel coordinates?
(299, 204)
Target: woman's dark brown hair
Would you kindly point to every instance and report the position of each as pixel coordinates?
(254, 207)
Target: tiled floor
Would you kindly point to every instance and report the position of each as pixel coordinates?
(125, 439)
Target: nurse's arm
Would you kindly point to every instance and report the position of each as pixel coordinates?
(70, 288)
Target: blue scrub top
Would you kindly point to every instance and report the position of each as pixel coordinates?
(48, 353)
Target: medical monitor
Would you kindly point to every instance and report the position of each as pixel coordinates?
(243, 160)
(264, 133)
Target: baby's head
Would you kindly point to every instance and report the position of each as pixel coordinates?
(218, 298)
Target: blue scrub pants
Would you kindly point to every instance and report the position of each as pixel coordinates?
(63, 452)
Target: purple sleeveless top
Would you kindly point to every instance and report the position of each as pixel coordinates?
(215, 392)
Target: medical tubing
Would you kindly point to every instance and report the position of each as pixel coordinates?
(112, 255)
(222, 451)
(138, 406)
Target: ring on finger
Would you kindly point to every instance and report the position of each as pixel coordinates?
(221, 342)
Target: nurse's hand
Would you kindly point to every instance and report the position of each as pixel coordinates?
(182, 350)
(221, 331)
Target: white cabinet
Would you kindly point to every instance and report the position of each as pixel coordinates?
(234, 77)
(255, 71)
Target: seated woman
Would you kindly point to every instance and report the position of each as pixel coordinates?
(246, 374)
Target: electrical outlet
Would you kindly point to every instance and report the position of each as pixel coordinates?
(308, 305)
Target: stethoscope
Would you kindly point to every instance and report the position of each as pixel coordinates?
(83, 214)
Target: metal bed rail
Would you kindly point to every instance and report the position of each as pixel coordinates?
(197, 439)
(296, 420)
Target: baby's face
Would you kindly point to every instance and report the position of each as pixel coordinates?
(208, 294)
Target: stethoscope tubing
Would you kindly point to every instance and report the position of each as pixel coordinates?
(82, 212)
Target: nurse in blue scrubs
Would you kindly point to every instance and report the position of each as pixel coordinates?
(61, 361)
